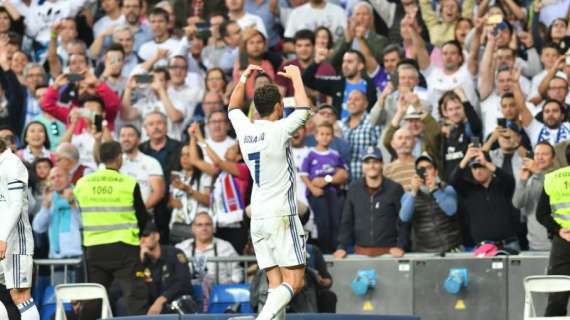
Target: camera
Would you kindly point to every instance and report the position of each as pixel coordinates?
(421, 172)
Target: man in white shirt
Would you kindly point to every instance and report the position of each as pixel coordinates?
(454, 74)
(145, 169)
(182, 94)
(111, 19)
(159, 19)
(244, 19)
(217, 130)
(314, 14)
(205, 245)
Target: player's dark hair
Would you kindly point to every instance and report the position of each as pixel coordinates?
(266, 98)
(109, 151)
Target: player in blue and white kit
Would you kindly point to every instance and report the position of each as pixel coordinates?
(16, 240)
(276, 230)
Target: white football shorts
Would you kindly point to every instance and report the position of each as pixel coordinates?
(18, 270)
(278, 241)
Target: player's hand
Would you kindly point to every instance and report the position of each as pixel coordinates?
(340, 254)
(563, 233)
(396, 252)
(291, 72)
(2, 250)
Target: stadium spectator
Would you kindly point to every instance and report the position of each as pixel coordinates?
(145, 169)
(529, 186)
(59, 216)
(359, 35)
(403, 167)
(324, 171)
(252, 51)
(383, 71)
(424, 128)
(392, 13)
(133, 13)
(485, 192)
(358, 225)
(67, 158)
(237, 13)
(217, 126)
(268, 11)
(159, 20)
(229, 189)
(189, 194)
(204, 244)
(314, 14)
(169, 277)
(153, 97)
(509, 155)
(112, 67)
(341, 86)
(441, 25)
(125, 37)
(431, 206)
(36, 143)
(461, 125)
(89, 86)
(359, 132)
(84, 141)
(167, 152)
(231, 33)
(304, 42)
(113, 17)
(327, 113)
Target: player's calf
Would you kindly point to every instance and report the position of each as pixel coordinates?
(22, 297)
(295, 277)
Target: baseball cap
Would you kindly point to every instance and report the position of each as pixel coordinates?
(371, 152)
(425, 157)
(149, 228)
(412, 114)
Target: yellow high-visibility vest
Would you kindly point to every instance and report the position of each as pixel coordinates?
(557, 187)
(107, 208)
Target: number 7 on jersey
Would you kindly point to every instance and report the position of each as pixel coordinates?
(256, 158)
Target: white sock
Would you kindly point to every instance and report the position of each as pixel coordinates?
(277, 300)
(28, 310)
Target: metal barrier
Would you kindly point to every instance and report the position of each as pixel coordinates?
(418, 284)
(53, 264)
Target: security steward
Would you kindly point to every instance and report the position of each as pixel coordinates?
(166, 271)
(553, 212)
(113, 214)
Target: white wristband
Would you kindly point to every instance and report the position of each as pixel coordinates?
(243, 79)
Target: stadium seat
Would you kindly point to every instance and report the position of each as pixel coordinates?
(542, 284)
(225, 295)
(81, 291)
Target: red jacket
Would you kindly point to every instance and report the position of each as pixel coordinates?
(61, 112)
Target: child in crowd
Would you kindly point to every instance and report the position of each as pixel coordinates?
(324, 171)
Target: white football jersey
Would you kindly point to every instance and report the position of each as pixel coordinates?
(15, 228)
(266, 149)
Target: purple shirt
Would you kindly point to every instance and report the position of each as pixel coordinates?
(322, 163)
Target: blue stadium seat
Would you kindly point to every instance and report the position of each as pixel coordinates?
(225, 295)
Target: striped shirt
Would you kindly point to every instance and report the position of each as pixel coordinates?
(401, 172)
(364, 135)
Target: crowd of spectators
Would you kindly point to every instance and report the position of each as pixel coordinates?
(434, 121)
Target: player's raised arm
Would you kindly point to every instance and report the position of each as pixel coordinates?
(238, 94)
(293, 73)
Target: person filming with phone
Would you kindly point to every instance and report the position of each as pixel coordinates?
(485, 192)
(431, 206)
